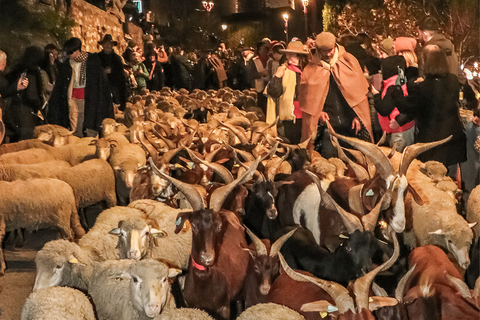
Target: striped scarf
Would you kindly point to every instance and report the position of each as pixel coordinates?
(82, 57)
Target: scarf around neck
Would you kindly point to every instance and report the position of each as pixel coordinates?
(82, 58)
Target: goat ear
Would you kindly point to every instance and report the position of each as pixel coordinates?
(181, 217)
(158, 233)
(116, 232)
(173, 272)
(437, 232)
(93, 142)
(380, 302)
(322, 306)
(415, 195)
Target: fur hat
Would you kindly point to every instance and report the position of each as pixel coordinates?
(387, 46)
(325, 41)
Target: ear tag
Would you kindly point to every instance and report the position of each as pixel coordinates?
(73, 260)
(331, 308)
(370, 299)
(179, 220)
(190, 165)
(323, 314)
(369, 193)
(178, 166)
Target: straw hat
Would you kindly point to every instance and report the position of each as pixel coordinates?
(295, 47)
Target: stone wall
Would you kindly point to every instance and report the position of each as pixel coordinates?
(93, 23)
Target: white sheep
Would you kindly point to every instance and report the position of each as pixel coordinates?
(473, 210)
(57, 303)
(36, 204)
(12, 172)
(183, 314)
(131, 290)
(170, 247)
(268, 311)
(436, 222)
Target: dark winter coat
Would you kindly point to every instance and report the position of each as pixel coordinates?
(116, 78)
(433, 105)
(98, 100)
(182, 68)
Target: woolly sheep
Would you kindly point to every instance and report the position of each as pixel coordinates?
(436, 222)
(434, 170)
(23, 145)
(73, 154)
(131, 290)
(63, 263)
(183, 314)
(473, 210)
(170, 247)
(268, 311)
(101, 244)
(57, 303)
(12, 172)
(49, 133)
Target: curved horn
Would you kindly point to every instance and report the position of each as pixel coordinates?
(400, 290)
(223, 172)
(190, 192)
(373, 152)
(340, 295)
(271, 152)
(350, 221)
(209, 156)
(167, 156)
(359, 171)
(476, 290)
(369, 220)
(220, 195)
(259, 245)
(275, 249)
(246, 155)
(151, 150)
(382, 139)
(240, 135)
(164, 127)
(411, 152)
(393, 151)
(361, 286)
(461, 286)
(379, 291)
(168, 142)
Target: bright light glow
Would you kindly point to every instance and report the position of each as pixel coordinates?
(475, 64)
(285, 16)
(224, 27)
(474, 73)
(462, 66)
(468, 74)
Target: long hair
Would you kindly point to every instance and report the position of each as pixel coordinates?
(435, 61)
(410, 57)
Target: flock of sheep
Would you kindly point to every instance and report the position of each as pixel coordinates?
(135, 252)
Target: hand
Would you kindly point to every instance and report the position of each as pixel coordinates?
(22, 84)
(281, 71)
(419, 79)
(356, 125)
(324, 117)
(476, 121)
(394, 124)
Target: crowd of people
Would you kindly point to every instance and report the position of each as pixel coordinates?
(409, 88)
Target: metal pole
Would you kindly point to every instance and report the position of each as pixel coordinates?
(306, 26)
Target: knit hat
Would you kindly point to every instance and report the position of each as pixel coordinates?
(325, 41)
(387, 46)
(391, 65)
(405, 44)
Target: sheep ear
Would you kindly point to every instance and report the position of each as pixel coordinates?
(471, 225)
(380, 302)
(437, 232)
(173, 272)
(158, 233)
(93, 142)
(116, 232)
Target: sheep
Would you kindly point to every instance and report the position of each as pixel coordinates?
(105, 145)
(131, 290)
(436, 221)
(72, 153)
(473, 210)
(53, 135)
(170, 247)
(267, 311)
(12, 172)
(35, 204)
(183, 314)
(101, 244)
(57, 303)
(434, 170)
(23, 145)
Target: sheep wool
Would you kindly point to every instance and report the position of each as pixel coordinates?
(57, 303)
(183, 314)
(268, 311)
(473, 210)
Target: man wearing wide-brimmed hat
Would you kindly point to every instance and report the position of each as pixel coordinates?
(282, 91)
(334, 88)
(113, 67)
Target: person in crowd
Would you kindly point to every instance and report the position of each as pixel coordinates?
(156, 75)
(284, 89)
(181, 69)
(275, 60)
(49, 67)
(139, 71)
(205, 73)
(433, 104)
(429, 33)
(7, 90)
(25, 111)
(113, 67)
(400, 128)
(405, 46)
(333, 88)
(245, 69)
(260, 74)
(81, 98)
